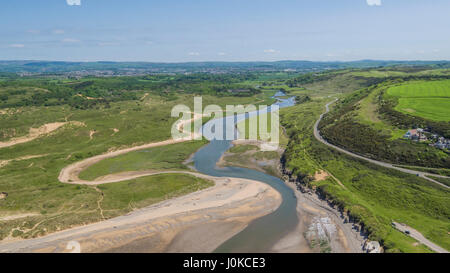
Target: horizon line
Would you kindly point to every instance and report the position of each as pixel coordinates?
(211, 61)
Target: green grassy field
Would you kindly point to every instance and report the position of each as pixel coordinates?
(427, 99)
(168, 157)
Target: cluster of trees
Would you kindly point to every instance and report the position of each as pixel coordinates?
(302, 99)
(307, 79)
(91, 92)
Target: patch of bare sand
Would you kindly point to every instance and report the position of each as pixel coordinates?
(86, 97)
(33, 134)
(262, 145)
(91, 134)
(321, 175)
(144, 96)
(3, 195)
(6, 162)
(17, 216)
(77, 123)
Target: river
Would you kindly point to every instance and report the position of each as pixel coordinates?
(261, 234)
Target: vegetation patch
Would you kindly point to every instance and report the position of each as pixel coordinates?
(169, 157)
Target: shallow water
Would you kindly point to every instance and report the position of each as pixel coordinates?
(264, 232)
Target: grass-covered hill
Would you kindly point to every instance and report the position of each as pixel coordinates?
(365, 120)
(371, 195)
(373, 120)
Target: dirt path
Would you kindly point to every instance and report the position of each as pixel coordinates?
(424, 175)
(17, 216)
(33, 134)
(70, 173)
(6, 162)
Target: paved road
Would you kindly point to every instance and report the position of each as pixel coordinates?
(376, 162)
(419, 237)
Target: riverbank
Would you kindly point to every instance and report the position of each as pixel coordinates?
(197, 222)
(320, 228)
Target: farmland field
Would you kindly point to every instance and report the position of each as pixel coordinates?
(430, 100)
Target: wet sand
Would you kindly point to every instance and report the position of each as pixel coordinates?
(344, 239)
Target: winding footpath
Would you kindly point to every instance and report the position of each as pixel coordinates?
(424, 175)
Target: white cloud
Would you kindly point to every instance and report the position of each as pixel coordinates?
(17, 45)
(73, 2)
(58, 31)
(221, 53)
(193, 54)
(374, 2)
(270, 51)
(34, 31)
(108, 44)
(70, 40)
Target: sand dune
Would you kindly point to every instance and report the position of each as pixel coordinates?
(33, 134)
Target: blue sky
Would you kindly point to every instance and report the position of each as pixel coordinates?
(224, 30)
